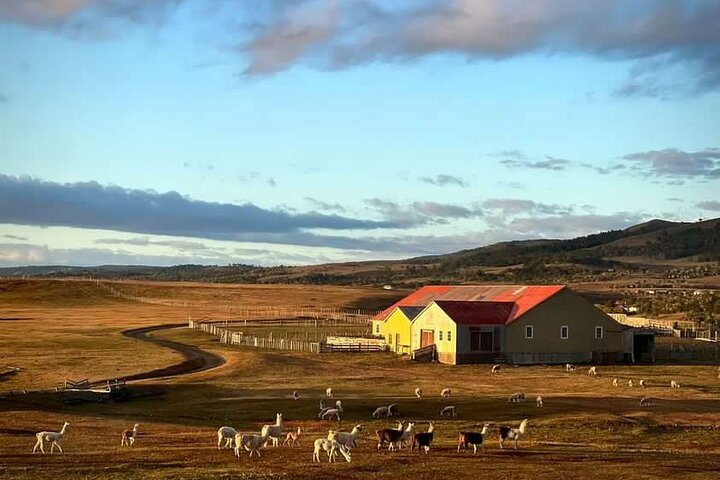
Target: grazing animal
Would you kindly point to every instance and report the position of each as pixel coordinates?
(128, 436)
(389, 435)
(538, 401)
(275, 431)
(329, 392)
(592, 371)
(381, 412)
(423, 440)
(449, 411)
(508, 433)
(630, 383)
(615, 382)
(647, 402)
(252, 443)
(495, 368)
(403, 438)
(393, 410)
(333, 412)
(472, 438)
(331, 447)
(228, 434)
(52, 437)
(324, 410)
(674, 384)
(445, 393)
(642, 383)
(516, 397)
(418, 392)
(569, 367)
(293, 438)
(348, 440)
(295, 395)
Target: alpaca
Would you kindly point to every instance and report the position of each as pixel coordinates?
(403, 438)
(630, 383)
(295, 395)
(569, 367)
(615, 382)
(348, 440)
(393, 410)
(516, 397)
(592, 371)
(329, 413)
(445, 393)
(275, 431)
(449, 411)
(418, 392)
(647, 402)
(495, 369)
(423, 440)
(52, 437)
(252, 443)
(324, 410)
(674, 384)
(388, 435)
(642, 384)
(473, 438)
(228, 434)
(507, 433)
(381, 412)
(128, 436)
(538, 401)
(329, 392)
(293, 438)
(331, 446)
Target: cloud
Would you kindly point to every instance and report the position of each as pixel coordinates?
(338, 35)
(146, 241)
(325, 206)
(28, 201)
(420, 213)
(676, 164)
(567, 226)
(514, 206)
(712, 205)
(14, 237)
(550, 163)
(445, 181)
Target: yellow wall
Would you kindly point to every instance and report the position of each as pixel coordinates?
(433, 318)
(397, 324)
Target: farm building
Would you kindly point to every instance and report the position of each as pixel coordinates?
(510, 323)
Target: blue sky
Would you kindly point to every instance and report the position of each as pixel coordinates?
(198, 131)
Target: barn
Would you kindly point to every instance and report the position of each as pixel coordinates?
(519, 324)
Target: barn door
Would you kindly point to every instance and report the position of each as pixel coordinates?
(427, 337)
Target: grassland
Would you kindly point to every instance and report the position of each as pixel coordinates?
(587, 429)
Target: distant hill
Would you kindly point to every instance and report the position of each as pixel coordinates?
(656, 244)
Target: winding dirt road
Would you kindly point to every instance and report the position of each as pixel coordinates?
(196, 359)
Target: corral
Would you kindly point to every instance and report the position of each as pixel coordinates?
(74, 330)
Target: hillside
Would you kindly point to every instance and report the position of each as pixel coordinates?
(657, 245)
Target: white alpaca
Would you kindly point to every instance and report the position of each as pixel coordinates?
(402, 441)
(569, 367)
(630, 383)
(52, 437)
(381, 412)
(507, 433)
(647, 402)
(295, 395)
(331, 447)
(642, 383)
(449, 411)
(275, 431)
(539, 401)
(592, 371)
(615, 382)
(323, 409)
(445, 393)
(348, 440)
(674, 384)
(128, 436)
(251, 443)
(329, 392)
(418, 392)
(329, 413)
(495, 368)
(228, 434)
(293, 438)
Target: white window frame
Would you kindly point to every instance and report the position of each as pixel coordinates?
(532, 332)
(567, 331)
(602, 332)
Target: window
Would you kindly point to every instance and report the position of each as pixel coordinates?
(529, 331)
(440, 335)
(449, 336)
(389, 340)
(598, 332)
(564, 332)
(377, 328)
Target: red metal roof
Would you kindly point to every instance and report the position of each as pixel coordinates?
(524, 297)
(477, 313)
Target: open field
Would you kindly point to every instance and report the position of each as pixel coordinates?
(74, 329)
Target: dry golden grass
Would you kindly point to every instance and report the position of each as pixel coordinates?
(587, 429)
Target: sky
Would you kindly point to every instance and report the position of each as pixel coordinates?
(162, 132)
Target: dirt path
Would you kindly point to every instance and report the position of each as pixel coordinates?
(196, 359)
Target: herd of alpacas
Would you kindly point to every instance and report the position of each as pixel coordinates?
(337, 442)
